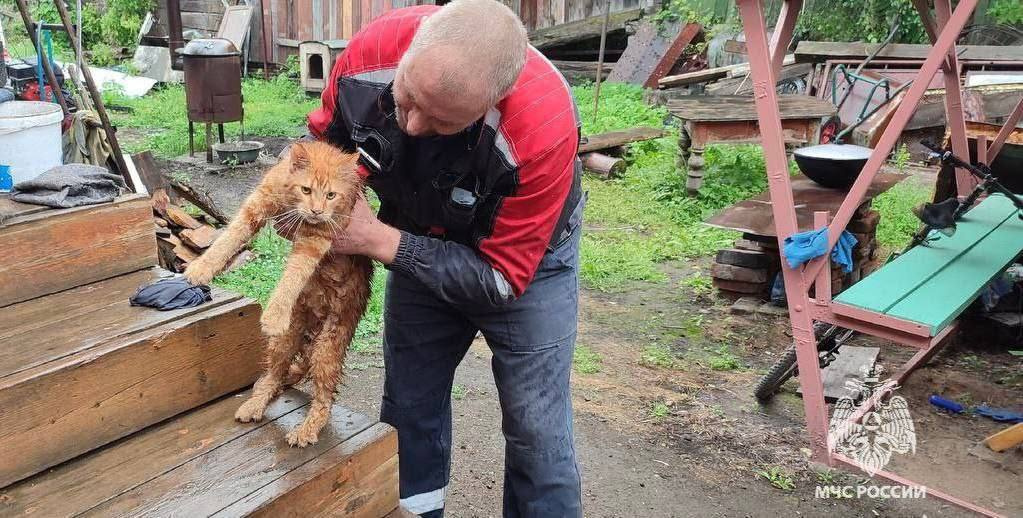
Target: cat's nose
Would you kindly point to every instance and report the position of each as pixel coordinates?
(317, 212)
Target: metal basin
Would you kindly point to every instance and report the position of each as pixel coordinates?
(238, 152)
(832, 165)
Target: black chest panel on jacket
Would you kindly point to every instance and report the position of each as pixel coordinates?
(455, 183)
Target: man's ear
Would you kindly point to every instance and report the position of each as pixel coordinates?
(299, 157)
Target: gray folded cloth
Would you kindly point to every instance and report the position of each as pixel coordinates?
(70, 185)
(171, 293)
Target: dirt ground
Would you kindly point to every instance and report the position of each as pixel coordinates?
(684, 440)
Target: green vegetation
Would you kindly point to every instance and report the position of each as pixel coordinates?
(646, 218)
(275, 108)
(659, 356)
(586, 360)
(659, 411)
(699, 284)
(458, 392)
(722, 359)
(1009, 12)
(778, 478)
(897, 220)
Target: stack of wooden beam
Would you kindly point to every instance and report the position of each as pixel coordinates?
(182, 236)
(750, 267)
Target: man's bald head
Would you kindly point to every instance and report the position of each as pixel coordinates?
(463, 59)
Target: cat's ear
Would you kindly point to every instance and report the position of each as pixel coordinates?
(299, 157)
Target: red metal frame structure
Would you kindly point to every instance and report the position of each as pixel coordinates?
(765, 64)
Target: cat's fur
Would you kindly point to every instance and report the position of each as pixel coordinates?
(312, 314)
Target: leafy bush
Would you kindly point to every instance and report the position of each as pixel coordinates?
(1009, 12)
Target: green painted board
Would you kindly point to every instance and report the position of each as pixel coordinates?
(948, 293)
(886, 287)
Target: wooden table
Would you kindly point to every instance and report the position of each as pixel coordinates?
(733, 118)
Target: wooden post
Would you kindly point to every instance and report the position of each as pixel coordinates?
(97, 100)
(606, 166)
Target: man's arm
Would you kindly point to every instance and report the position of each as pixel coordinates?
(507, 260)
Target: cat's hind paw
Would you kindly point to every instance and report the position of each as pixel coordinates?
(303, 435)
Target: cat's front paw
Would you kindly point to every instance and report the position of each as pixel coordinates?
(199, 273)
(303, 435)
(251, 410)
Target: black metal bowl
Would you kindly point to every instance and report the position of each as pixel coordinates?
(832, 165)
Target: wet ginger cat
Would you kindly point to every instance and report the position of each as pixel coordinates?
(312, 314)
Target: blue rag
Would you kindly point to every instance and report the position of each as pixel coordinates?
(801, 247)
(999, 414)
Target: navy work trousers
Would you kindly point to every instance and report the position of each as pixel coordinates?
(532, 340)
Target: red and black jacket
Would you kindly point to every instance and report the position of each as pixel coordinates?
(480, 208)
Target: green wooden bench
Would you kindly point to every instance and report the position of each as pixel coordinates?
(931, 285)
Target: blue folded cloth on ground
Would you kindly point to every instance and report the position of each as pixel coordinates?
(171, 293)
(999, 414)
(804, 246)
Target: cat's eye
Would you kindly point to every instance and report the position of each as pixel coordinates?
(306, 190)
(331, 195)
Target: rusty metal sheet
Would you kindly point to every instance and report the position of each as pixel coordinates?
(651, 53)
(754, 216)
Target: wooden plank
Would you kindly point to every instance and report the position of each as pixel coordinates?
(55, 250)
(846, 367)
(200, 238)
(889, 285)
(741, 108)
(357, 478)
(200, 199)
(179, 217)
(944, 296)
(206, 485)
(11, 209)
(33, 334)
(619, 138)
(201, 6)
(201, 21)
(1005, 439)
(816, 51)
(579, 71)
(65, 408)
(147, 455)
(741, 85)
(711, 74)
(555, 35)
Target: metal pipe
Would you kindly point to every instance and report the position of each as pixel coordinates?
(97, 100)
(26, 17)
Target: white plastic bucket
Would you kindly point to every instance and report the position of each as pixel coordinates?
(30, 141)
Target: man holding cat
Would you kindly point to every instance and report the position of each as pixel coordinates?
(469, 137)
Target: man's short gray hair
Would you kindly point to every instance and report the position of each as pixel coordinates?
(487, 41)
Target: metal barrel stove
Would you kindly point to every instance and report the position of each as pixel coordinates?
(213, 87)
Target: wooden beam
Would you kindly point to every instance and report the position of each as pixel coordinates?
(1005, 439)
(605, 166)
(819, 51)
(619, 138)
(582, 29)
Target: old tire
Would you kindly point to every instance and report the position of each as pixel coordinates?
(780, 372)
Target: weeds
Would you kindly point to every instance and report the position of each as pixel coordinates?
(701, 285)
(897, 220)
(586, 360)
(658, 356)
(724, 360)
(778, 478)
(825, 476)
(659, 411)
(458, 392)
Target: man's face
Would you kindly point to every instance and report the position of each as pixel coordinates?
(423, 108)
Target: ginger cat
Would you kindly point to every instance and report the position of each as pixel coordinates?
(312, 314)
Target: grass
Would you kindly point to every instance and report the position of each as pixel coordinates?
(897, 221)
(658, 356)
(701, 285)
(646, 218)
(274, 108)
(258, 278)
(586, 360)
(722, 359)
(659, 411)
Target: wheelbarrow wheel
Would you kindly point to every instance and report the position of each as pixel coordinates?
(780, 372)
